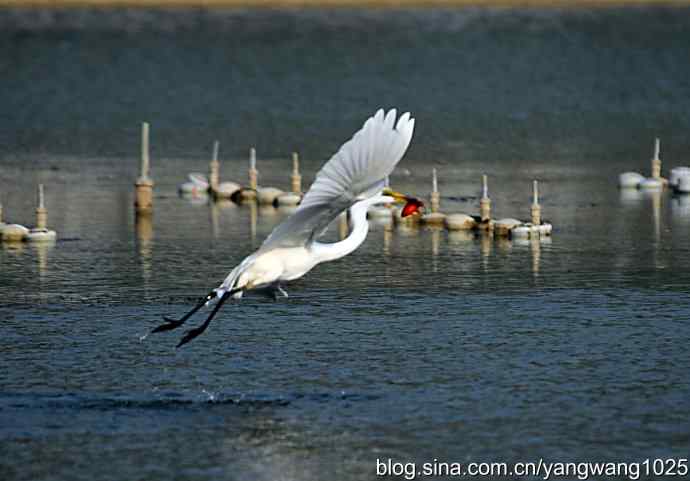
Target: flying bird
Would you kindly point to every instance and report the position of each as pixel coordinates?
(355, 179)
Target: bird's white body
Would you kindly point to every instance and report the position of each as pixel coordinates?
(277, 265)
(263, 269)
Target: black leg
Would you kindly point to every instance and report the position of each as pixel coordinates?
(175, 323)
(192, 333)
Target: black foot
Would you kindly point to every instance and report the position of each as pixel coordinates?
(169, 325)
(191, 334)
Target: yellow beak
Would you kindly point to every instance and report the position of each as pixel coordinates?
(399, 198)
(412, 204)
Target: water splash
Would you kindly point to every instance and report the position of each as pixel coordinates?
(212, 397)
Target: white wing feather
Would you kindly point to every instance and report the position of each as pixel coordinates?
(357, 171)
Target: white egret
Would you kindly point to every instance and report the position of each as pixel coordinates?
(354, 179)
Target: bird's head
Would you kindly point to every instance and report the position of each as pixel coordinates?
(412, 204)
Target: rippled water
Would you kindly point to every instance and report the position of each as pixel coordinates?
(422, 344)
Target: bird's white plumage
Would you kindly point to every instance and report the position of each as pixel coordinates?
(356, 172)
(363, 161)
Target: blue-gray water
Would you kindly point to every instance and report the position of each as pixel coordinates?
(422, 344)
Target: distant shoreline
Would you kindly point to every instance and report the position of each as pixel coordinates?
(338, 3)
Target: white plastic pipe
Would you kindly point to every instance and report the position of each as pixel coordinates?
(41, 198)
(145, 161)
(657, 146)
(216, 148)
(295, 163)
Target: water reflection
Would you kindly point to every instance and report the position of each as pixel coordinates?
(461, 238)
(680, 207)
(435, 244)
(199, 198)
(13, 247)
(42, 250)
(144, 233)
(536, 245)
(387, 238)
(214, 214)
(503, 244)
(268, 211)
(486, 243)
(655, 199)
(535, 249)
(656, 215)
(651, 221)
(406, 229)
(215, 210)
(630, 196)
(435, 240)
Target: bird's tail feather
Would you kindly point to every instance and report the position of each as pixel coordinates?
(231, 281)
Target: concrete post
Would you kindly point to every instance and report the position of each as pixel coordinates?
(253, 173)
(41, 212)
(144, 185)
(214, 168)
(485, 202)
(296, 178)
(536, 208)
(656, 161)
(435, 195)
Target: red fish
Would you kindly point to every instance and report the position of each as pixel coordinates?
(412, 206)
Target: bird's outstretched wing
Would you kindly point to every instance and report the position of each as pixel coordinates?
(357, 171)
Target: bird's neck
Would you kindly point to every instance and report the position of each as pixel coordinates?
(359, 228)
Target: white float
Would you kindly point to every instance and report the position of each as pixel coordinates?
(651, 183)
(683, 185)
(545, 229)
(268, 195)
(196, 186)
(502, 227)
(677, 173)
(630, 180)
(460, 222)
(226, 190)
(434, 218)
(40, 235)
(14, 233)
(289, 199)
(521, 231)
